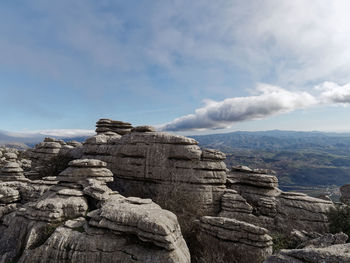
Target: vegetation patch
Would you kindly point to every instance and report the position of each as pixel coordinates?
(281, 241)
(339, 220)
(56, 165)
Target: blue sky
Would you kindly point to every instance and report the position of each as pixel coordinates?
(184, 66)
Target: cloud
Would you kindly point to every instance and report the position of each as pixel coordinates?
(67, 133)
(271, 100)
(252, 35)
(334, 93)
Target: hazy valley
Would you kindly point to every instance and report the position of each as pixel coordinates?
(312, 162)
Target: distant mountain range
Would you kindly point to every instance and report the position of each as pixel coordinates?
(300, 158)
(24, 140)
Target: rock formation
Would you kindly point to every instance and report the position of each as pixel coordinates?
(43, 153)
(107, 125)
(81, 220)
(230, 240)
(227, 216)
(328, 248)
(13, 155)
(254, 197)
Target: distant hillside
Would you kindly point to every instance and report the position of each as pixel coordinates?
(23, 141)
(300, 158)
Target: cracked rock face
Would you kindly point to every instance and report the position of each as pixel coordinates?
(8, 155)
(151, 164)
(107, 125)
(257, 200)
(44, 152)
(81, 220)
(147, 164)
(330, 254)
(230, 240)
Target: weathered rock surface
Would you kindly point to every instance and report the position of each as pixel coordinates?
(331, 254)
(13, 155)
(58, 227)
(76, 217)
(325, 241)
(107, 125)
(148, 163)
(270, 207)
(230, 240)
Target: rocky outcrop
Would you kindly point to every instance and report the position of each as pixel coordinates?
(77, 217)
(12, 171)
(230, 240)
(81, 220)
(151, 164)
(43, 156)
(107, 125)
(15, 187)
(255, 198)
(13, 155)
(329, 254)
(156, 165)
(100, 146)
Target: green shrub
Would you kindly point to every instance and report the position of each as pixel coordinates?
(281, 241)
(55, 165)
(339, 219)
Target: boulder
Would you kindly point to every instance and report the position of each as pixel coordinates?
(229, 240)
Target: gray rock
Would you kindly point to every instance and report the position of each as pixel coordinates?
(119, 229)
(331, 254)
(145, 128)
(230, 240)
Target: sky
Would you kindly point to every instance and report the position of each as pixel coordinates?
(188, 67)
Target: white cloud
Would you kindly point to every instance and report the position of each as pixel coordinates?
(271, 100)
(292, 42)
(334, 93)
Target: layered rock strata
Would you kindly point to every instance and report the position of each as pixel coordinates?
(162, 166)
(107, 125)
(43, 153)
(230, 240)
(255, 198)
(329, 249)
(82, 220)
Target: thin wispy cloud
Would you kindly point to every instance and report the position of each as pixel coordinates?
(67, 133)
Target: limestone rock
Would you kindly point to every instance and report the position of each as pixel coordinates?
(150, 163)
(271, 208)
(325, 241)
(58, 226)
(12, 172)
(254, 179)
(107, 125)
(91, 245)
(331, 254)
(145, 128)
(141, 217)
(230, 240)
